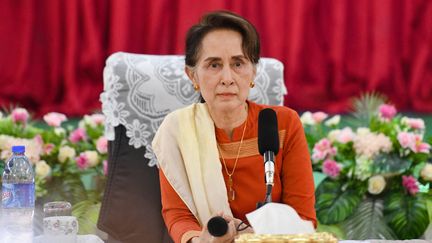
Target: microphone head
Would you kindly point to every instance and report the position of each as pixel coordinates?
(217, 226)
(268, 134)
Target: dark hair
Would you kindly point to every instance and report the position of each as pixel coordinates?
(222, 20)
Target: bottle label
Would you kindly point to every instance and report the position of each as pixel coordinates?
(18, 195)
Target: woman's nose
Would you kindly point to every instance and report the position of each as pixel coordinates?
(227, 77)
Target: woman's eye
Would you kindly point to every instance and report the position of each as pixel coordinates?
(214, 65)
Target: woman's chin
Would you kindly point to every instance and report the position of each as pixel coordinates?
(228, 105)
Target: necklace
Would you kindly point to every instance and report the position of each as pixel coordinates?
(231, 192)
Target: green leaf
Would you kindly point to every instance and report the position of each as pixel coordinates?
(407, 215)
(334, 205)
(417, 169)
(390, 164)
(368, 222)
(429, 207)
(364, 109)
(87, 213)
(8, 127)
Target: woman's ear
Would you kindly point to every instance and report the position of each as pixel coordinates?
(191, 74)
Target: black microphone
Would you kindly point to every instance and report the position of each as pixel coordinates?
(217, 226)
(268, 145)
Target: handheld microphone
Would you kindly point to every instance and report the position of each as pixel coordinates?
(217, 226)
(268, 145)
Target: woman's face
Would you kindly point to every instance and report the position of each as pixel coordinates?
(223, 73)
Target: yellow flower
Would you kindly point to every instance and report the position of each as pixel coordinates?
(376, 184)
(65, 153)
(93, 158)
(42, 169)
(426, 172)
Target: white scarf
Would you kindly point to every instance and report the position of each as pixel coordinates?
(186, 149)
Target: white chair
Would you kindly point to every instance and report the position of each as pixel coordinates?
(139, 91)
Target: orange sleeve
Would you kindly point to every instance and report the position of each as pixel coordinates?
(181, 223)
(297, 179)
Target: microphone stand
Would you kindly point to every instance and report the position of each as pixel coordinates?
(269, 177)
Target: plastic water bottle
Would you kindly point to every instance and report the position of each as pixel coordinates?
(18, 198)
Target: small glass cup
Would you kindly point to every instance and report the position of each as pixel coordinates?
(58, 224)
(58, 208)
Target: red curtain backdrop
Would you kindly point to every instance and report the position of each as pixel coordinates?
(52, 52)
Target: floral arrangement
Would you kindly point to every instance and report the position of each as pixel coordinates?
(62, 155)
(377, 171)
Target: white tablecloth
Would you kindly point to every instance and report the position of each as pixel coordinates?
(80, 239)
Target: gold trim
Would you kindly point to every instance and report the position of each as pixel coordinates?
(294, 238)
(249, 147)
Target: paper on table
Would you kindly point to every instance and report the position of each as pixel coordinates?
(277, 218)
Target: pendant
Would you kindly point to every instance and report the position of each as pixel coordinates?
(231, 192)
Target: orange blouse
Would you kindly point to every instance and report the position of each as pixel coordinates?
(293, 180)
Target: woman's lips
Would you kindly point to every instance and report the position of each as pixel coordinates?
(226, 94)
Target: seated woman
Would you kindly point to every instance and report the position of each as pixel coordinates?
(208, 152)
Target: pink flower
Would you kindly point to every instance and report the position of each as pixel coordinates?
(98, 119)
(323, 149)
(331, 168)
(419, 146)
(319, 116)
(387, 111)
(105, 167)
(346, 135)
(413, 142)
(54, 119)
(20, 115)
(102, 145)
(318, 155)
(414, 123)
(48, 148)
(82, 161)
(410, 184)
(406, 139)
(78, 135)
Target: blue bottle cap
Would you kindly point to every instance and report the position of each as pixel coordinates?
(18, 149)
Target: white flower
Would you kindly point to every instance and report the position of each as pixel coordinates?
(42, 169)
(115, 113)
(65, 153)
(59, 131)
(93, 157)
(426, 172)
(363, 169)
(307, 119)
(1, 115)
(333, 135)
(150, 156)
(111, 84)
(137, 133)
(363, 131)
(33, 147)
(334, 121)
(371, 144)
(5, 142)
(376, 184)
(86, 121)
